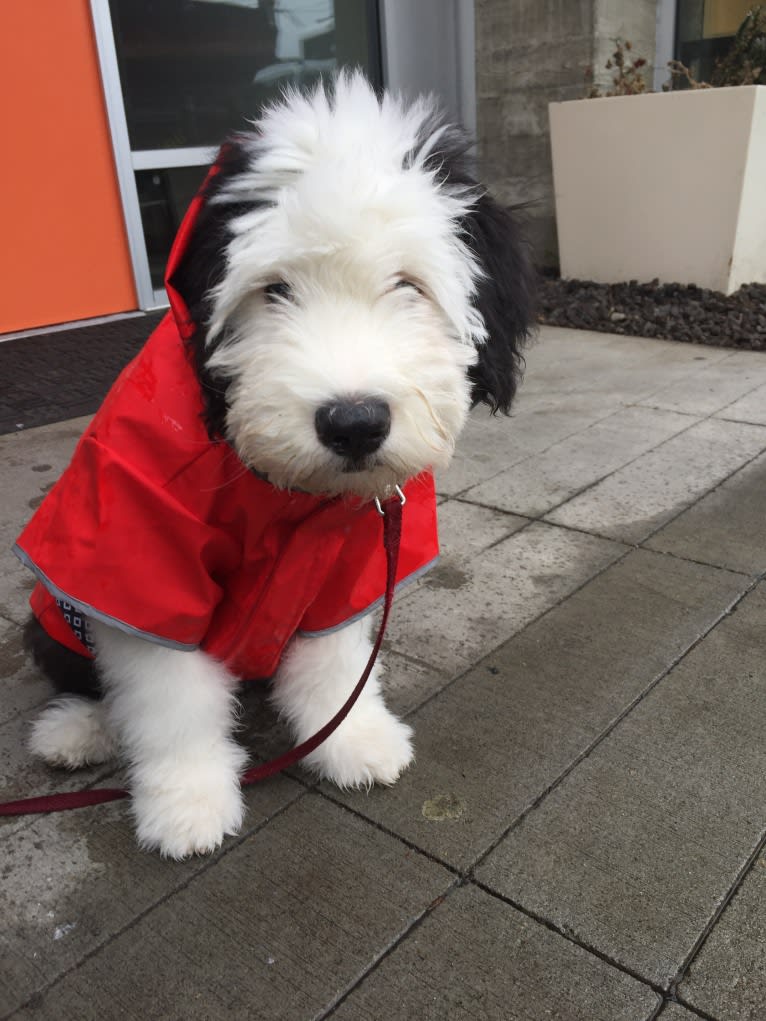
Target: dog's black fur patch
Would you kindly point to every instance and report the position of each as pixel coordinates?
(203, 267)
(70, 673)
(505, 295)
(505, 299)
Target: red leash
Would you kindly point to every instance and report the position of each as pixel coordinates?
(391, 512)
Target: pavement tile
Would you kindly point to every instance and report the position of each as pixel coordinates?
(408, 684)
(32, 462)
(494, 741)
(750, 408)
(632, 853)
(617, 368)
(16, 584)
(465, 529)
(485, 447)
(71, 882)
(727, 527)
(674, 1012)
(23, 776)
(714, 387)
(490, 444)
(570, 384)
(581, 409)
(23, 686)
(564, 469)
(572, 380)
(728, 976)
(278, 929)
(475, 957)
(637, 499)
(492, 596)
(557, 359)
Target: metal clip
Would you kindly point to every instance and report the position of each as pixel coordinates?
(399, 493)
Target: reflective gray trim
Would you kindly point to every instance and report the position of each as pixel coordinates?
(92, 612)
(373, 606)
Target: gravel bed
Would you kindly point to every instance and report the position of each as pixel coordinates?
(670, 311)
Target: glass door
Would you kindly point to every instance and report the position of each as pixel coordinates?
(179, 75)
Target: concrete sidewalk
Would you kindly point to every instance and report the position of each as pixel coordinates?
(582, 835)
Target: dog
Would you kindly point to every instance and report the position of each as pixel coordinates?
(342, 292)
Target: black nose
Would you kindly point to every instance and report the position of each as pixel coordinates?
(353, 427)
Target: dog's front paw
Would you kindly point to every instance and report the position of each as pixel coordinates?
(72, 732)
(186, 809)
(371, 746)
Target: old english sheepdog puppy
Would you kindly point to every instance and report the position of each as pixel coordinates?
(342, 291)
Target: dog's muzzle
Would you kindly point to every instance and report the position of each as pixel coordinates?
(354, 428)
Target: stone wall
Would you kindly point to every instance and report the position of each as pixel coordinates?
(530, 53)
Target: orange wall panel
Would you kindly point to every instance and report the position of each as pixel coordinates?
(64, 253)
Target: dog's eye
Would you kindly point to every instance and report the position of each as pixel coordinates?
(278, 290)
(404, 282)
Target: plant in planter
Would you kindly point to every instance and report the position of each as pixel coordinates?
(667, 185)
(628, 78)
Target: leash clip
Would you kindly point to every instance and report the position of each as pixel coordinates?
(398, 492)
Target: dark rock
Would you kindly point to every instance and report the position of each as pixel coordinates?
(670, 311)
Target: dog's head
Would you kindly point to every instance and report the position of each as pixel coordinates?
(353, 292)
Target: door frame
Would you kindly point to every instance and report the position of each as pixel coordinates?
(128, 161)
(394, 33)
(123, 156)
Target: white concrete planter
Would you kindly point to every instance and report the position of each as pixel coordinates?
(668, 185)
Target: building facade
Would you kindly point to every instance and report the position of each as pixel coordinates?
(117, 107)
(533, 52)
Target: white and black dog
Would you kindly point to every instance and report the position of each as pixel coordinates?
(351, 292)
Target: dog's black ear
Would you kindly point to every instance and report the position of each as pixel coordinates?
(203, 265)
(505, 298)
(506, 293)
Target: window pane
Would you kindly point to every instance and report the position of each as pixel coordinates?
(705, 32)
(164, 196)
(194, 70)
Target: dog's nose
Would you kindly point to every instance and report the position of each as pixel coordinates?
(353, 427)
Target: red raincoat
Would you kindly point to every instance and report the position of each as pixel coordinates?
(159, 531)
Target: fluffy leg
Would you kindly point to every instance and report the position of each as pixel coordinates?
(173, 713)
(313, 681)
(73, 732)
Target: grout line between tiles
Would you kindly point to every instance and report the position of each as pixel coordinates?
(386, 952)
(570, 938)
(719, 911)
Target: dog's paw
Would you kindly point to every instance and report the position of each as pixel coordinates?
(371, 746)
(182, 809)
(72, 732)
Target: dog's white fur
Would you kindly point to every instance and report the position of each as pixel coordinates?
(381, 301)
(342, 223)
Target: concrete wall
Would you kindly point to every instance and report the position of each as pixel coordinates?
(635, 20)
(530, 53)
